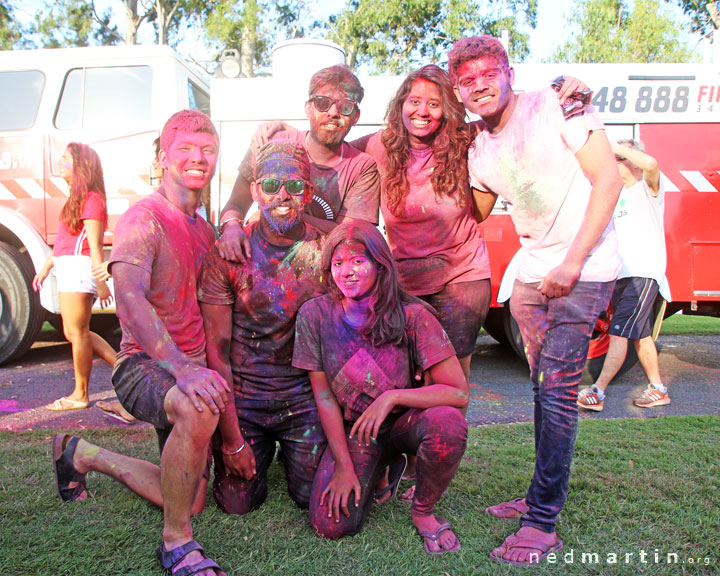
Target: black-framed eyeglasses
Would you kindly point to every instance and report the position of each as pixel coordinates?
(273, 185)
(343, 105)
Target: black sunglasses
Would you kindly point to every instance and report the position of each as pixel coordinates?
(343, 105)
(273, 185)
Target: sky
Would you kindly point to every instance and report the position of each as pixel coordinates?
(547, 36)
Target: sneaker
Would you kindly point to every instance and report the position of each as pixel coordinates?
(588, 399)
(652, 397)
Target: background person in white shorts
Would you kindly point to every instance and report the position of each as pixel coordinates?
(77, 249)
(640, 232)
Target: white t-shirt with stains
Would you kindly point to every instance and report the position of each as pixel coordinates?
(531, 164)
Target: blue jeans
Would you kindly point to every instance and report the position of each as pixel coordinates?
(556, 333)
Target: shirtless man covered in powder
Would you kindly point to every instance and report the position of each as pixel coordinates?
(249, 311)
(561, 183)
(345, 180)
(160, 375)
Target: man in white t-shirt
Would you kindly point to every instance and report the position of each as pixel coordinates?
(560, 181)
(639, 226)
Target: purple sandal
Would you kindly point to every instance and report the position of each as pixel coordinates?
(170, 559)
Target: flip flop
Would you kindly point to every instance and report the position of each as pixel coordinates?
(511, 510)
(63, 449)
(514, 541)
(444, 525)
(109, 409)
(63, 404)
(395, 474)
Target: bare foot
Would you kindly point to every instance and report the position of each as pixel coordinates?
(446, 540)
(527, 546)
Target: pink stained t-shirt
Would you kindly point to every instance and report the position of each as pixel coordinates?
(357, 371)
(531, 164)
(350, 189)
(69, 244)
(157, 236)
(434, 241)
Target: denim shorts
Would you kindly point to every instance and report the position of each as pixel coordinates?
(141, 385)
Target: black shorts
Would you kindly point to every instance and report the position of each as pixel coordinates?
(141, 385)
(461, 309)
(632, 304)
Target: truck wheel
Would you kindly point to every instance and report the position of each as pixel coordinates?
(495, 325)
(502, 326)
(21, 315)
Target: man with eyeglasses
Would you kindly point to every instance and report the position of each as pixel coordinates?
(346, 181)
(249, 311)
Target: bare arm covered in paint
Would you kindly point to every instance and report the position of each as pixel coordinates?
(450, 388)
(201, 385)
(344, 481)
(233, 244)
(218, 334)
(598, 164)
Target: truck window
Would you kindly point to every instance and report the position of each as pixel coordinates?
(108, 98)
(20, 98)
(198, 99)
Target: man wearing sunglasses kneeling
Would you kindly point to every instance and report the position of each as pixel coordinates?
(346, 181)
(249, 311)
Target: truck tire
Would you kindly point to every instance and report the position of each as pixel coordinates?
(500, 324)
(21, 315)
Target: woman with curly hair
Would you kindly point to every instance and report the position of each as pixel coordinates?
(429, 213)
(360, 344)
(77, 250)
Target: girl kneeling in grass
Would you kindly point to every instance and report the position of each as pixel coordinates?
(361, 343)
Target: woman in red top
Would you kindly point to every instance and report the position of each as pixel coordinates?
(78, 248)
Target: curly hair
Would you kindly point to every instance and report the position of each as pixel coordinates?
(473, 48)
(340, 77)
(449, 146)
(87, 174)
(386, 324)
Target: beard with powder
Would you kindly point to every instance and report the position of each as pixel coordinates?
(282, 224)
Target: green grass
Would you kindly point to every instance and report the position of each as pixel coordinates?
(679, 324)
(636, 485)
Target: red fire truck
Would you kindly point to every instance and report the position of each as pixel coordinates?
(115, 99)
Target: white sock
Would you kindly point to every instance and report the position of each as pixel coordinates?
(659, 387)
(600, 393)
